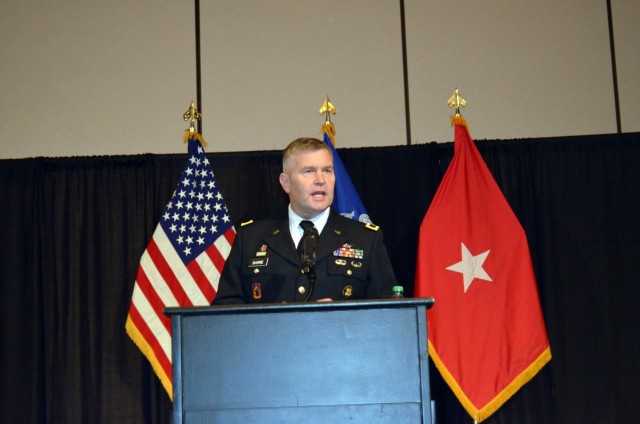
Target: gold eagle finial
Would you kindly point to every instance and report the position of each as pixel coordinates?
(457, 101)
(192, 115)
(327, 109)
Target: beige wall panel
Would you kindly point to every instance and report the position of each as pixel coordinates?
(527, 68)
(93, 78)
(267, 67)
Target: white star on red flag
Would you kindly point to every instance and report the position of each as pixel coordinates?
(471, 266)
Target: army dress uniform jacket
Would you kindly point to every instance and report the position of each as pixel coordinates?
(264, 267)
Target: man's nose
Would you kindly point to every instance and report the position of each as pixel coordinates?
(320, 178)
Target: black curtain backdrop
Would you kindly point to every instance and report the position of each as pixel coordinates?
(73, 230)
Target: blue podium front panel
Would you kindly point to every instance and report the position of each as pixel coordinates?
(339, 362)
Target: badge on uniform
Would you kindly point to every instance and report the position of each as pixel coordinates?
(346, 251)
(347, 292)
(258, 262)
(256, 289)
(262, 251)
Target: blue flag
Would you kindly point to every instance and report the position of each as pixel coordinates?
(346, 200)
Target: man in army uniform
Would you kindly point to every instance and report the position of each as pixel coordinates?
(351, 261)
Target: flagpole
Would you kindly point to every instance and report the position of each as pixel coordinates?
(198, 63)
(457, 101)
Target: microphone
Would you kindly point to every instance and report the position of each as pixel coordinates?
(310, 239)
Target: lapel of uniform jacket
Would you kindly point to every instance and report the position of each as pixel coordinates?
(279, 239)
(333, 236)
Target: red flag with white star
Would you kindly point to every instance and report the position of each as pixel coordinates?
(486, 330)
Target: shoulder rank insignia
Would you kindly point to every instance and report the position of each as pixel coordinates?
(372, 227)
(249, 222)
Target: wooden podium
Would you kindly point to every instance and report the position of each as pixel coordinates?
(337, 362)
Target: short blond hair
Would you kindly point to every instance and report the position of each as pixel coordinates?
(302, 145)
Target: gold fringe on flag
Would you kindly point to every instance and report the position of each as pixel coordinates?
(194, 135)
(148, 352)
(458, 120)
(487, 410)
(329, 129)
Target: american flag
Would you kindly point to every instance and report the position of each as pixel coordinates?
(182, 263)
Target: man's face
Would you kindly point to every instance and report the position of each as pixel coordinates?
(309, 180)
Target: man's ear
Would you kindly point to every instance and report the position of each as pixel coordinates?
(284, 182)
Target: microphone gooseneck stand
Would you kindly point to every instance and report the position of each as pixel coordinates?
(307, 251)
(310, 271)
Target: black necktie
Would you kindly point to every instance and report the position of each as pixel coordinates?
(305, 226)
